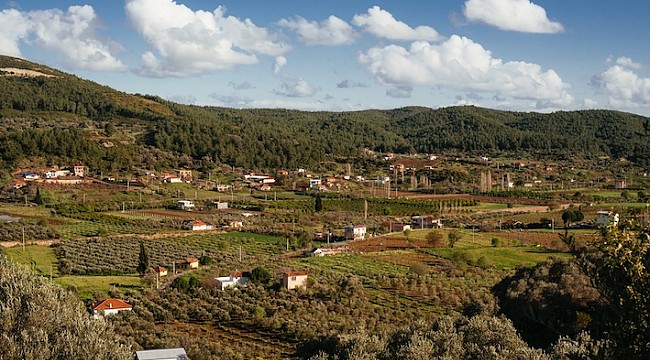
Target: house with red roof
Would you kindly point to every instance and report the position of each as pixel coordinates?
(110, 306)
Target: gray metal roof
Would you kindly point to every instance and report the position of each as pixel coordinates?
(161, 354)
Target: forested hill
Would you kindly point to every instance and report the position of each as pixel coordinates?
(37, 108)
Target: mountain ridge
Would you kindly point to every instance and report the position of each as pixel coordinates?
(280, 138)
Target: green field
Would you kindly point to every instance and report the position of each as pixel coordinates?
(498, 257)
(88, 286)
(40, 258)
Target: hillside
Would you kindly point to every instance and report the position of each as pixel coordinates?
(146, 131)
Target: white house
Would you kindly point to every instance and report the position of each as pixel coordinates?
(294, 279)
(161, 354)
(196, 225)
(315, 183)
(186, 205)
(110, 306)
(234, 279)
(356, 232)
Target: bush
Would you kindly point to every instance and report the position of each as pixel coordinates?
(496, 242)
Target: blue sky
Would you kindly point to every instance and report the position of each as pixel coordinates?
(347, 55)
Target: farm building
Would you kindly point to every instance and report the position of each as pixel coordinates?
(186, 205)
(160, 271)
(356, 232)
(196, 225)
(294, 279)
(234, 279)
(189, 263)
(161, 354)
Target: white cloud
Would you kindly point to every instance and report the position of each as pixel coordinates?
(241, 86)
(71, 34)
(184, 42)
(296, 87)
(511, 15)
(382, 24)
(332, 31)
(627, 62)
(280, 62)
(14, 27)
(461, 64)
(624, 87)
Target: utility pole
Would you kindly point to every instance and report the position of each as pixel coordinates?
(23, 238)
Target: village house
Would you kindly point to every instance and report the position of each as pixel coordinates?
(161, 354)
(232, 280)
(170, 178)
(189, 263)
(315, 184)
(79, 170)
(220, 205)
(619, 184)
(186, 205)
(294, 279)
(235, 224)
(356, 232)
(222, 187)
(196, 225)
(160, 271)
(184, 174)
(67, 180)
(110, 306)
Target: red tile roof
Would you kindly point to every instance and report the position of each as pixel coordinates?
(112, 303)
(189, 260)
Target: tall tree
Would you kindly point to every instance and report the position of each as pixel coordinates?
(318, 206)
(143, 260)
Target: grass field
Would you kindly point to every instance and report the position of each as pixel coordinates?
(499, 257)
(87, 286)
(40, 258)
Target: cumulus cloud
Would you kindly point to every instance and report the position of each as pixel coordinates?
(296, 87)
(330, 32)
(14, 27)
(72, 35)
(381, 23)
(280, 62)
(511, 15)
(233, 100)
(183, 99)
(624, 87)
(348, 84)
(184, 42)
(461, 64)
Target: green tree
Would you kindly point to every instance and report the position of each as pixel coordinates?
(435, 238)
(40, 320)
(260, 275)
(318, 206)
(453, 236)
(143, 260)
(38, 199)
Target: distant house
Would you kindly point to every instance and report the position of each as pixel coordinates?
(196, 225)
(401, 227)
(315, 183)
(619, 184)
(161, 354)
(263, 187)
(222, 187)
(221, 205)
(110, 306)
(234, 279)
(30, 176)
(184, 174)
(235, 224)
(604, 218)
(79, 170)
(186, 205)
(189, 263)
(422, 222)
(294, 279)
(160, 271)
(356, 232)
(52, 173)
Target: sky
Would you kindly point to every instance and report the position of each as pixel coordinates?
(341, 55)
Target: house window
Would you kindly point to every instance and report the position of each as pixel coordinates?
(293, 278)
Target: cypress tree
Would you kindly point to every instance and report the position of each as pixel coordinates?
(143, 260)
